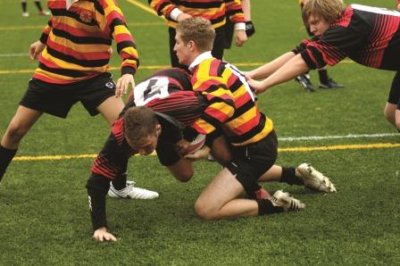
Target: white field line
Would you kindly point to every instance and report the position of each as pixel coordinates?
(383, 145)
(14, 55)
(349, 136)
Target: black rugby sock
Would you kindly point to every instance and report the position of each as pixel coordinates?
(6, 156)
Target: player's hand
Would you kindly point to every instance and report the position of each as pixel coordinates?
(200, 154)
(256, 86)
(183, 16)
(123, 84)
(102, 235)
(240, 37)
(36, 49)
(182, 147)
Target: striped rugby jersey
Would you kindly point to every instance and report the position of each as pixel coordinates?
(368, 35)
(213, 10)
(78, 41)
(231, 103)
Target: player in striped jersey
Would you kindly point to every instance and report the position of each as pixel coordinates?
(214, 10)
(232, 111)
(325, 81)
(368, 35)
(74, 53)
(172, 106)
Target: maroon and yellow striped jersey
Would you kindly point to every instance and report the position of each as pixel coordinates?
(78, 41)
(231, 103)
(213, 10)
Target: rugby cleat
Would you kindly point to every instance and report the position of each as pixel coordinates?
(304, 81)
(287, 202)
(314, 179)
(331, 84)
(131, 192)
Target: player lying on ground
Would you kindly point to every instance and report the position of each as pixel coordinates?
(368, 35)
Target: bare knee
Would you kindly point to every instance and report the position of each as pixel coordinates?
(203, 210)
(15, 132)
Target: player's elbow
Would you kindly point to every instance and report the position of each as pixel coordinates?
(184, 177)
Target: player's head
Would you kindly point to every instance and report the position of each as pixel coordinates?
(141, 129)
(193, 36)
(319, 14)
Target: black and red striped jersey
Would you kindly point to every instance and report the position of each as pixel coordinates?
(368, 35)
(78, 41)
(169, 93)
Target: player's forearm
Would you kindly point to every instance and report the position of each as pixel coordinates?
(97, 188)
(246, 9)
(269, 68)
(294, 67)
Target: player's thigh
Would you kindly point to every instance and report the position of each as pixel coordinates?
(223, 188)
(111, 108)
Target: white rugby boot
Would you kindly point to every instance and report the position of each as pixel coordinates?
(131, 192)
(314, 179)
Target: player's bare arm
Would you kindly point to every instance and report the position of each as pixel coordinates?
(294, 67)
(267, 69)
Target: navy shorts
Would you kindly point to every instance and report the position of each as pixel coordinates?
(58, 99)
(252, 161)
(394, 94)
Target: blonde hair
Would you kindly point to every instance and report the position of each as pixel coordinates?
(329, 10)
(139, 123)
(198, 30)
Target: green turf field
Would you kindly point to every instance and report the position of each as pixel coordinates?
(44, 218)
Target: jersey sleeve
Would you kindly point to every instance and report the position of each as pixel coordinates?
(162, 7)
(234, 11)
(220, 104)
(112, 21)
(332, 47)
(46, 32)
(111, 163)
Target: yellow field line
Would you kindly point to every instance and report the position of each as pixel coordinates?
(342, 147)
(154, 67)
(40, 27)
(292, 149)
(143, 7)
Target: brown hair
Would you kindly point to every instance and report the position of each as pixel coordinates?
(139, 122)
(329, 10)
(198, 30)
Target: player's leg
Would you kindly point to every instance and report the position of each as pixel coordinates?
(219, 199)
(302, 175)
(325, 81)
(24, 5)
(392, 108)
(20, 124)
(111, 108)
(40, 9)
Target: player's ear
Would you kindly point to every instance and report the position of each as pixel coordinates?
(158, 130)
(191, 44)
